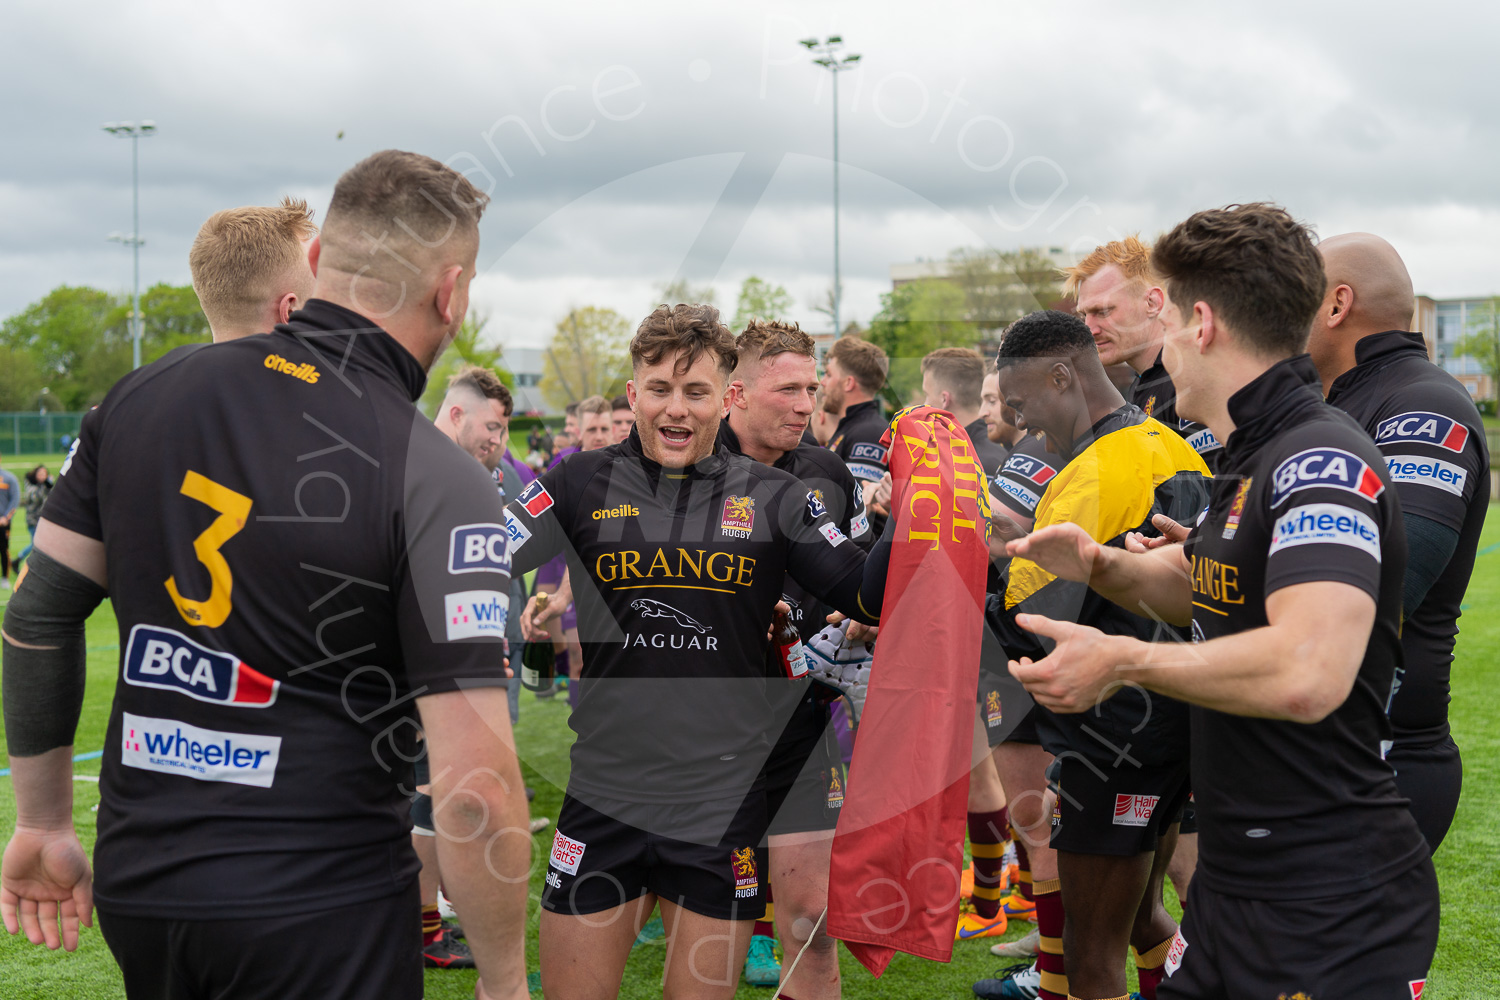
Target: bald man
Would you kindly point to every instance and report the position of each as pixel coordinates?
(1432, 438)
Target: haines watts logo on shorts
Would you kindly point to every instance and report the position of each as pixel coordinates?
(305, 371)
(161, 658)
(1134, 810)
(746, 881)
(566, 853)
(473, 613)
(171, 747)
(739, 517)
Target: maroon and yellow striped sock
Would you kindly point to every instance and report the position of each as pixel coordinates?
(766, 925)
(1023, 865)
(1049, 926)
(987, 846)
(1149, 967)
(432, 924)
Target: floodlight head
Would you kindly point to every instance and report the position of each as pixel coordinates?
(147, 127)
(809, 42)
(824, 62)
(835, 39)
(852, 59)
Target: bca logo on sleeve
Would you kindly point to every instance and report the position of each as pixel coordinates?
(1032, 469)
(170, 661)
(1329, 468)
(478, 548)
(1423, 428)
(867, 452)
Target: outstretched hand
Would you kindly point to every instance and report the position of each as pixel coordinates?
(46, 888)
(1064, 550)
(1172, 533)
(1072, 676)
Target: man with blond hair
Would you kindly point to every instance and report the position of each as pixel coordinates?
(1121, 299)
(250, 267)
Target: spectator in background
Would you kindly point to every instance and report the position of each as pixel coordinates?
(595, 426)
(38, 488)
(250, 267)
(621, 418)
(10, 499)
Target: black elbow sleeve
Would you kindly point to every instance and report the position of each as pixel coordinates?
(45, 656)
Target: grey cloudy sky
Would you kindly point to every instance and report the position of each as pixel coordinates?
(625, 145)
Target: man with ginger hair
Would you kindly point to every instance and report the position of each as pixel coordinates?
(250, 267)
(1121, 300)
(300, 533)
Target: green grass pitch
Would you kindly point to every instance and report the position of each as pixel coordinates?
(1466, 964)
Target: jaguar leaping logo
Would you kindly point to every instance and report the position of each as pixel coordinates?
(656, 609)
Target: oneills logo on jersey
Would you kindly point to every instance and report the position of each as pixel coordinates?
(739, 517)
(1327, 468)
(624, 510)
(535, 498)
(306, 371)
(1237, 508)
(746, 882)
(1422, 427)
(170, 661)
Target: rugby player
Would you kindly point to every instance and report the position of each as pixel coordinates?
(953, 380)
(678, 550)
(1313, 876)
(1121, 300)
(1120, 773)
(854, 370)
(771, 402)
(290, 583)
(621, 418)
(1432, 438)
(250, 269)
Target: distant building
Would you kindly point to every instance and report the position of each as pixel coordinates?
(525, 363)
(1444, 322)
(904, 274)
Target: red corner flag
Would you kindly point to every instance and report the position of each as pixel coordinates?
(898, 852)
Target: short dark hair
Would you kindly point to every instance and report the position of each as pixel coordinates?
(1255, 265)
(762, 339)
(620, 402)
(484, 382)
(960, 370)
(867, 362)
(1046, 333)
(688, 330)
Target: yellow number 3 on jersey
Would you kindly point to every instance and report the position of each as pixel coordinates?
(233, 510)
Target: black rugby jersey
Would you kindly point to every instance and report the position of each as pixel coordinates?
(1023, 478)
(991, 454)
(675, 573)
(857, 441)
(1125, 470)
(1432, 438)
(1286, 809)
(294, 554)
(829, 482)
(1154, 393)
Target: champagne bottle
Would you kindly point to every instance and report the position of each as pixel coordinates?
(789, 646)
(537, 662)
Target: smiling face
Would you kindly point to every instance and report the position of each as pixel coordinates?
(1122, 316)
(1034, 392)
(677, 415)
(1180, 357)
(777, 398)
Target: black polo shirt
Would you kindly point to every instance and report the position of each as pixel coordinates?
(1289, 810)
(1154, 393)
(295, 555)
(857, 441)
(675, 573)
(1432, 437)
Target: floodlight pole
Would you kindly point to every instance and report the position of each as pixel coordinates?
(134, 132)
(829, 59)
